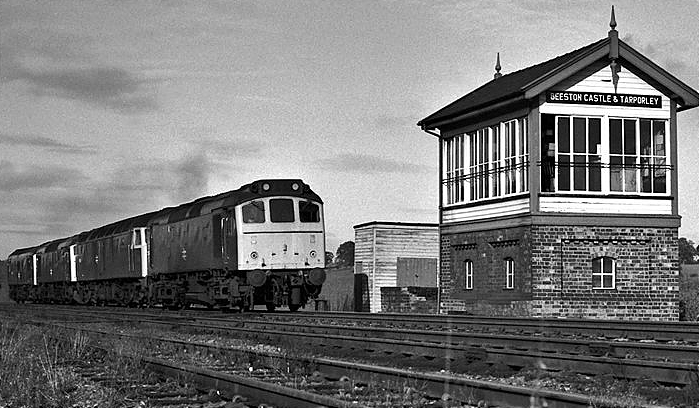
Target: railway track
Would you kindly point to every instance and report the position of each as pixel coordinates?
(330, 371)
(661, 332)
(450, 348)
(664, 363)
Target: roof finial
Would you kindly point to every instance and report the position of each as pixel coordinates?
(497, 68)
(614, 51)
(612, 23)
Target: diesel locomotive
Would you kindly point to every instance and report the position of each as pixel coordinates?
(262, 244)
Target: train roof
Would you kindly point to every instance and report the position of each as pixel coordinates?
(248, 192)
(50, 246)
(23, 251)
(120, 226)
(256, 189)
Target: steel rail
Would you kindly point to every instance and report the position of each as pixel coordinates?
(270, 393)
(437, 386)
(599, 329)
(620, 349)
(630, 329)
(235, 384)
(664, 372)
(607, 357)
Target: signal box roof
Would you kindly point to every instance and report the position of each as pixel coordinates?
(526, 84)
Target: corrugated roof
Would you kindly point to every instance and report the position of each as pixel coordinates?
(506, 87)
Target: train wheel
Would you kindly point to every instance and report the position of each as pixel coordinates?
(294, 308)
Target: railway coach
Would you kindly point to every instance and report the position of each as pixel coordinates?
(261, 244)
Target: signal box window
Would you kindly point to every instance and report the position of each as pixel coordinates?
(309, 212)
(468, 274)
(603, 273)
(254, 212)
(281, 210)
(509, 273)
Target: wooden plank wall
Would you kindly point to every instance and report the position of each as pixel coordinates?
(384, 244)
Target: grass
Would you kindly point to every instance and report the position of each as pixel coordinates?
(37, 369)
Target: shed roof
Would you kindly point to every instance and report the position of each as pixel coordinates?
(396, 224)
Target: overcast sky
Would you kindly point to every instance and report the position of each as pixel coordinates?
(112, 109)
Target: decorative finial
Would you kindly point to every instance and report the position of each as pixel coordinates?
(612, 23)
(497, 68)
(614, 51)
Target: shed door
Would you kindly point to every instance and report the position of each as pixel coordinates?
(420, 272)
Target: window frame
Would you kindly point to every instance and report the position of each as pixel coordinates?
(478, 166)
(274, 218)
(307, 203)
(509, 273)
(256, 220)
(602, 273)
(468, 274)
(632, 163)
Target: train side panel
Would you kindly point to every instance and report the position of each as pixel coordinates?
(195, 244)
(110, 257)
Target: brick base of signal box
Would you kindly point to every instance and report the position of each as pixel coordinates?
(553, 272)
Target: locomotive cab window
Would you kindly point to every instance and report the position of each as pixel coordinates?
(309, 212)
(254, 212)
(281, 210)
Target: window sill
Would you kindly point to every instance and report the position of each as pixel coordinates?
(583, 194)
(485, 201)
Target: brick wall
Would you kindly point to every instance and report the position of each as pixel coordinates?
(647, 286)
(553, 276)
(411, 299)
(487, 251)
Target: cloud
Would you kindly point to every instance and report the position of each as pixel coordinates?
(53, 202)
(109, 87)
(367, 164)
(15, 178)
(43, 142)
(664, 55)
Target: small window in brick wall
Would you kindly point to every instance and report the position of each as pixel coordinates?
(509, 273)
(603, 273)
(468, 274)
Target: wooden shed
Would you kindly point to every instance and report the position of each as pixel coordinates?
(396, 254)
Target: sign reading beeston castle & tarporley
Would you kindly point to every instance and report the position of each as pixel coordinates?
(596, 98)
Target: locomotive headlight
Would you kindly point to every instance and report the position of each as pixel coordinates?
(312, 254)
(265, 186)
(295, 186)
(253, 255)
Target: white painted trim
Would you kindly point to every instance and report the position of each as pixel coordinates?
(144, 253)
(73, 264)
(498, 209)
(35, 272)
(605, 205)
